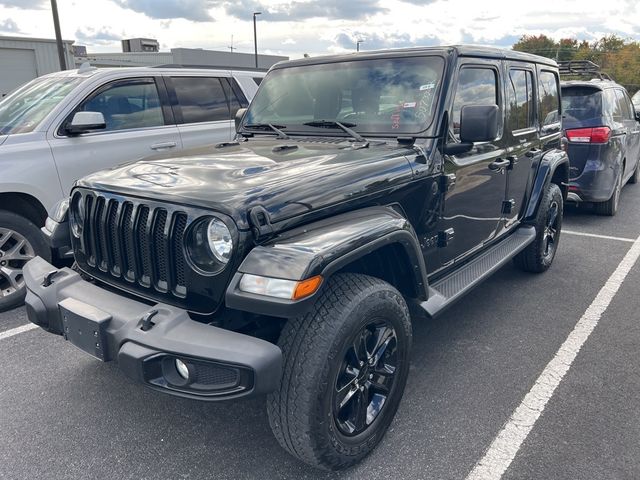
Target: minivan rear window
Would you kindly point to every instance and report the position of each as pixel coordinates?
(581, 103)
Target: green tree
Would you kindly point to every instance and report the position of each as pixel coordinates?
(537, 44)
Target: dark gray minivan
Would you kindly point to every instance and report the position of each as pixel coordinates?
(603, 133)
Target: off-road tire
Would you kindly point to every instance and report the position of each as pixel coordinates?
(610, 207)
(301, 410)
(537, 257)
(37, 246)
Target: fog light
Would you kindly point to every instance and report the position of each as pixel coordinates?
(182, 368)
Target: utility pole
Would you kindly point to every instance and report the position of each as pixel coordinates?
(56, 26)
(255, 36)
(231, 47)
(358, 42)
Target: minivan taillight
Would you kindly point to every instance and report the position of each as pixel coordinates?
(589, 135)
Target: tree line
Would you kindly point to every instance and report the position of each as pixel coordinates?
(617, 57)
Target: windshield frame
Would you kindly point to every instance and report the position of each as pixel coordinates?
(429, 130)
(42, 87)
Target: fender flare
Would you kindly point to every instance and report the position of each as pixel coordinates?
(550, 163)
(323, 248)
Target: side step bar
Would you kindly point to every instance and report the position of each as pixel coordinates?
(447, 290)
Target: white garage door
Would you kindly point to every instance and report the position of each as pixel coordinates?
(18, 67)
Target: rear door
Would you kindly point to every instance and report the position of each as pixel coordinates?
(139, 123)
(521, 131)
(202, 107)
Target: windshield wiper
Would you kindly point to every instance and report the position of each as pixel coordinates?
(275, 128)
(333, 123)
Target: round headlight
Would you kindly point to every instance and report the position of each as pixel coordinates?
(210, 245)
(76, 215)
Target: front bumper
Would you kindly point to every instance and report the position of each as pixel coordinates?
(222, 364)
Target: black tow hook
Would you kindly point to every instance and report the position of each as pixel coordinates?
(48, 278)
(146, 320)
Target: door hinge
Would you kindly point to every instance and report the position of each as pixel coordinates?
(447, 182)
(508, 206)
(445, 237)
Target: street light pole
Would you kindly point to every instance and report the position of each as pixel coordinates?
(255, 36)
(56, 26)
(358, 42)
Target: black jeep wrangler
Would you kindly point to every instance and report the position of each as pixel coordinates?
(287, 262)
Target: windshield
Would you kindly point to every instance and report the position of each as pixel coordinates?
(581, 103)
(24, 109)
(385, 96)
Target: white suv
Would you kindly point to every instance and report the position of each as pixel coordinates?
(63, 126)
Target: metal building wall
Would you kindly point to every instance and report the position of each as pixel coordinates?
(45, 50)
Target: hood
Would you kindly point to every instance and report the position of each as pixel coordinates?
(285, 177)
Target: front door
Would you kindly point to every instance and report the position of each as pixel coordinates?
(137, 127)
(472, 208)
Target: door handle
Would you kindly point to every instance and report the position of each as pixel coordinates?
(499, 164)
(532, 152)
(162, 146)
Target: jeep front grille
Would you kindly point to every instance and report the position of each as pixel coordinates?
(138, 245)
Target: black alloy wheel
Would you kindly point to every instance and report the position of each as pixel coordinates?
(365, 378)
(551, 230)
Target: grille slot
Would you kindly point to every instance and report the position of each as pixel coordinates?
(137, 242)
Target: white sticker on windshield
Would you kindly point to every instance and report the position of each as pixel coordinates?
(428, 86)
(409, 105)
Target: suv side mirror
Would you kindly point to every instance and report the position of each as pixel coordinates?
(478, 123)
(239, 116)
(637, 115)
(83, 122)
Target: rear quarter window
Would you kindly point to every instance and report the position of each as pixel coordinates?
(581, 103)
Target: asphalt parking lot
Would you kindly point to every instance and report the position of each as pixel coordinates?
(65, 415)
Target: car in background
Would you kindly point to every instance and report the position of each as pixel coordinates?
(636, 100)
(603, 133)
(66, 125)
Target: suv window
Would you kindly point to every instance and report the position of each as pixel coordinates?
(201, 99)
(476, 86)
(520, 95)
(127, 104)
(581, 103)
(549, 98)
(623, 105)
(234, 101)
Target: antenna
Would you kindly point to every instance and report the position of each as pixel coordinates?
(231, 47)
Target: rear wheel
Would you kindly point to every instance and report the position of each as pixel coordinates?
(345, 369)
(20, 241)
(610, 207)
(539, 254)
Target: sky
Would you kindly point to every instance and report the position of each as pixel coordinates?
(295, 27)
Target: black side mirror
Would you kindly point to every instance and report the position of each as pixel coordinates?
(239, 116)
(478, 123)
(637, 115)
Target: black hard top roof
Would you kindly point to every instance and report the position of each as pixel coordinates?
(460, 50)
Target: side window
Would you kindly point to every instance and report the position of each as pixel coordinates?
(520, 100)
(548, 99)
(476, 86)
(625, 108)
(201, 99)
(234, 102)
(615, 107)
(127, 104)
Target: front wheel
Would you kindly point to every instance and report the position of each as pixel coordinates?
(539, 254)
(345, 369)
(20, 241)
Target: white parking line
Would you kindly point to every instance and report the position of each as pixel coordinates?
(505, 446)
(594, 235)
(17, 330)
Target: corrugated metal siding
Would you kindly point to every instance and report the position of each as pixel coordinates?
(46, 53)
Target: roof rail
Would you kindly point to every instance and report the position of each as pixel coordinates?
(210, 67)
(581, 68)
